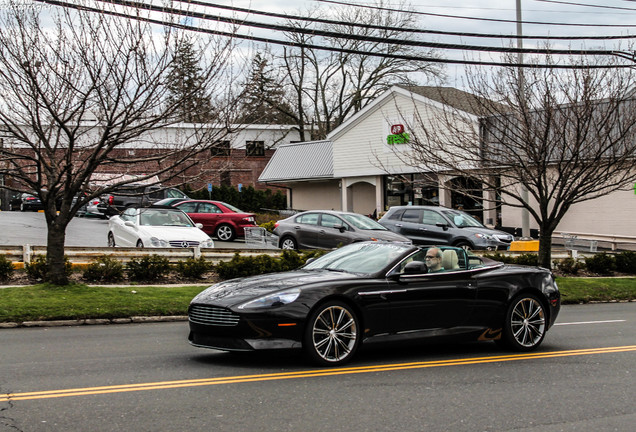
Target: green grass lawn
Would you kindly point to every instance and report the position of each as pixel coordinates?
(46, 302)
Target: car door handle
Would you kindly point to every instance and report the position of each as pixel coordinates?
(422, 229)
(398, 225)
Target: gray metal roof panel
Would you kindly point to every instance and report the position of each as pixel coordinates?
(300, 161)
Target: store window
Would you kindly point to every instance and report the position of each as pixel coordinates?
(255, 148)
(220, 148)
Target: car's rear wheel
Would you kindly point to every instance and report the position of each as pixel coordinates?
(525, 324)
(140, 244)
(288, 242)
(225, 233)
(111, 240)
(332, 335)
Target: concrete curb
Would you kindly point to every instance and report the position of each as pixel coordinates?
(95, 321)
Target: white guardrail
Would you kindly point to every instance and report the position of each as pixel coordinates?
(80, 255)
(260, 244)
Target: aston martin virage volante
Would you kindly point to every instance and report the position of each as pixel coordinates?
(375, 292)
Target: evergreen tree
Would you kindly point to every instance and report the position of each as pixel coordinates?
(185, 84)
(263, 99)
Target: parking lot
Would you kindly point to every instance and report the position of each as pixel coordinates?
(29, 228)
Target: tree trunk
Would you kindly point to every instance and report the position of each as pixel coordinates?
(55, 262)
(545, 248)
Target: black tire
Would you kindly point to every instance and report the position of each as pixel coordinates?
(525, 325)
(332, 334)
(288, 242)
(111, 240)
(140, 244)
(464, 245)
(225, 232)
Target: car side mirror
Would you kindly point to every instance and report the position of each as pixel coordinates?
(340, 228)
(129, 224)
(442, 225)
(310, 260)
(415, 267)
(199, 225)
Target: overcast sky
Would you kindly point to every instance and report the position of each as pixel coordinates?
(594, 17)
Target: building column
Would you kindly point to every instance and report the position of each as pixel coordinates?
(344, 195)
(379, 195)
(443, 192)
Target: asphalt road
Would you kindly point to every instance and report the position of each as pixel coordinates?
(22, 228)
(145, 377)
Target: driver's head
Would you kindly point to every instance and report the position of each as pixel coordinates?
(434, 259)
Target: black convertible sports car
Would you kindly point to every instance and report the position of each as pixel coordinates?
(374, 291)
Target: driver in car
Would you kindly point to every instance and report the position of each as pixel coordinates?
(434, 260)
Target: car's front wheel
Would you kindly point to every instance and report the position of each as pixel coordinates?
(332, 335)
(525, 324)
(288, 242)
(111, 240)
(225, 233)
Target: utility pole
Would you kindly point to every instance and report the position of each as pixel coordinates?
(525, 215)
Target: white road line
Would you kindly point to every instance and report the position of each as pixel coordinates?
(590, 322)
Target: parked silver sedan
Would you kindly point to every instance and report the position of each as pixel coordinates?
(156, 227)
(328, 229)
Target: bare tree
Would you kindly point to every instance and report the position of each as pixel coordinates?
(564, 136)
(80, 92)
(327, 87)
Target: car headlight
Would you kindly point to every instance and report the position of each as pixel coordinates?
(157, 242)
(484, 236)
(209, 243)
(272, 300)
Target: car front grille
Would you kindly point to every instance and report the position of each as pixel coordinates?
(183, 243)
(212, 315)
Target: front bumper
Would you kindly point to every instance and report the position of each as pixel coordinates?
(250, 332)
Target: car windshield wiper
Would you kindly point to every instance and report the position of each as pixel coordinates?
(335, 270)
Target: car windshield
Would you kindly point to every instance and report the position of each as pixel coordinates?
(164, 217)
(362, 222)
(461, 219)
(365, 258)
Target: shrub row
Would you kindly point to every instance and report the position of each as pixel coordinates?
(601, 263)
(153, 267)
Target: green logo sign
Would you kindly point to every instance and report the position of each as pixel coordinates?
(402, 138)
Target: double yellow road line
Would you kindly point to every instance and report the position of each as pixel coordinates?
(50, 394)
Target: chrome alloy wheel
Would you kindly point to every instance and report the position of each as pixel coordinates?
(527, 322)
(334, 334)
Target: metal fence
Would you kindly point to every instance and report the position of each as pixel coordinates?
(81, 255)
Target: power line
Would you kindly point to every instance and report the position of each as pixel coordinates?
(349, 36)
(401, 29)
(327, 48)
(474, 18)
(586, 5)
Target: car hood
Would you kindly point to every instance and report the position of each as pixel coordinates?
(236, 291)
(174, 233)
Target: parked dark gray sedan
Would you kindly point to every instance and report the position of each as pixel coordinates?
(431, 225)
(327, 229)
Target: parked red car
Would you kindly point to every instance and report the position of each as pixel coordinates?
(219, 219)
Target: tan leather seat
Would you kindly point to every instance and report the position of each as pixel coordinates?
(450, 260)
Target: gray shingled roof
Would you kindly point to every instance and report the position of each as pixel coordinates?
(299, 161)
(455, 98)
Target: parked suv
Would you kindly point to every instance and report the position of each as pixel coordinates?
(135, 195)
(431, 225)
